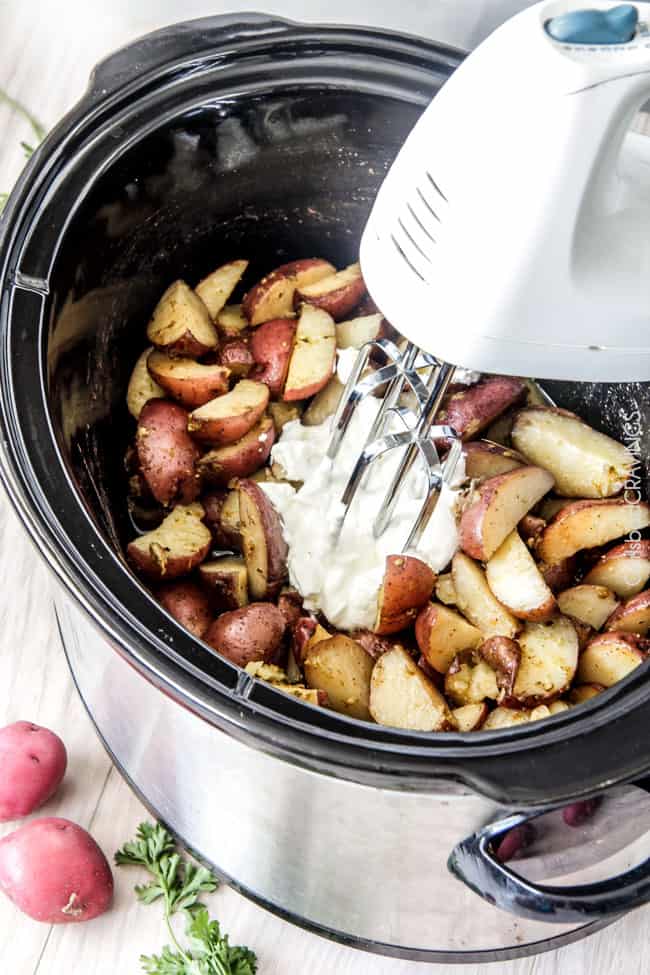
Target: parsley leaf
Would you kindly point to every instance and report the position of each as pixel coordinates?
(37, 128)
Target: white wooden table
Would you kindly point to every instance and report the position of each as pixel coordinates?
(46, 51)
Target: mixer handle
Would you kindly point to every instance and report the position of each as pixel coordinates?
(474, 863)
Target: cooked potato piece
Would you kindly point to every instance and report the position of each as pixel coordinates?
(181, 323)
(625, 569)
(471, 409)
(499, 431)
(231, 321)
(290, 605)
(283, 413)
(337, 293)
(401, 696)
(189, 382)
(341, 668)
(632, 616)
(263, 544)
(314, 354)
(610, 657)
(166, 453)
(470, 717)
(584, 462)
(445, 590)
(324, 404)
(235, 355)
(227, 580)
(240, 459)
(142, 386)
(407, 586)
(549, 507)
(476, 601)
(222, 518)
(173, 549)
(591, 605)
(587, 524)
(372, 643)
(253, 632)
(503, 655)
(215, 289)
(272, 297)
(559, 575)
(188, 604)
(441, 634)
(484, 459)
(501, 504)
(271, 346)
(530, 528)
(517, 583)
(306, 634)
(228, 418)
(355, 332)
(503, 717)
(470, 680)
(549, 657)
(584, 692)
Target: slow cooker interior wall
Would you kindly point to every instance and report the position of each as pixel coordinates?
(283, 176)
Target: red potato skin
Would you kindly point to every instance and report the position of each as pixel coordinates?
(530, 528)
(166, 453)
(559, 575)
(619, 618)
(485, 459)
(271, 347)
(408, 584)
(222, 535)
(33, 761)
(229, 429)
(187, 603)
(54, 872)
(190, 393)
(174, 568)
(236, 356)
(290, 273)
(573, 507)
(503, 655)
(338, 302)
(303, 631)
(240, 459)
(475, 407)
(276, 547)
(290, 605)
(372, 643)
(251, 633)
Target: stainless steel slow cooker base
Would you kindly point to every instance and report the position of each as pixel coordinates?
(337, 859)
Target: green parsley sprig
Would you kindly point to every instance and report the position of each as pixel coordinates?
(179, 884)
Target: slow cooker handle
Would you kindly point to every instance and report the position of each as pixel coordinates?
(474, 863)
(195, 38)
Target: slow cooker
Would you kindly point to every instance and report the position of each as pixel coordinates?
(267, 139)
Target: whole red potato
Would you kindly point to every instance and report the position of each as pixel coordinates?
(54, 871)
(32, 764)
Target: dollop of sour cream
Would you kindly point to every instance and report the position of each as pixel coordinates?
(342, 577)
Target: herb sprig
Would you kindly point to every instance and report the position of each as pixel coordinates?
(179, 884)
(37, 128)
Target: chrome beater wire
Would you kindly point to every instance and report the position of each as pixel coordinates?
(402, 371)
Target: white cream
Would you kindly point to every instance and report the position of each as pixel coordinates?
(466, 377)
(342, 579)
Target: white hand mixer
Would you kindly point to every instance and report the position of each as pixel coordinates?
(517, 244)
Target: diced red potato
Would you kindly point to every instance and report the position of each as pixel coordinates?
(441, 634)
(142, 386)
(312, 361)
(445, 590)
(187, 603)
(515, 841)
(253, 632)
(231, 321)
(271, 346)
(290, 605)
(283, 413)
(517, 583)
(591, 605)
(402, 696)
(632, 616)
(226, 579)
(584, 462)
(222, 518)
(477, 603)
(189, 382)
(181, 324)
(470, 680)
(265, 550)
(324, 404)
(355, 332)
(503, 655)
(579, 812)
(624, 569)
(549, 507)
(228, 418)
(584, 692)
(549, 657)
(470, 717)
(54, 872)
(215, 289)
(501, 504)
(609, 657)
(235, 355)
(408, 584)
(587, 524)
(503, 717)
(559, 575)
(499, 431)
(341, 668)
(484, 459)
(372, 643)
(166, 453)
(473, 408)
(307, 633)
(273, 296)
(175, 548)
(337, 293)
(240, 459)
(33, 762)
(530, 528)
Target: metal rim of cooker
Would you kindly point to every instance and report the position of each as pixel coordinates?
(564, 757)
